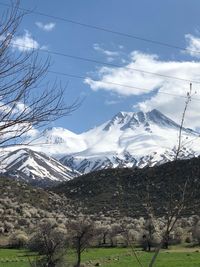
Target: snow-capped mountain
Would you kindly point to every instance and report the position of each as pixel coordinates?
(57, 142)
(35, 168)
(129, 139)
(133, 139)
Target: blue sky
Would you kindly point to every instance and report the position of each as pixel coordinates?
(173, 21)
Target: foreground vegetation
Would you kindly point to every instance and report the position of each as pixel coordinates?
(112, 257)
(28, 223)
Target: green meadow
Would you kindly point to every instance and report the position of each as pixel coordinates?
(111, 257)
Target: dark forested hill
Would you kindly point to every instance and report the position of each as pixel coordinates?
(128, 192)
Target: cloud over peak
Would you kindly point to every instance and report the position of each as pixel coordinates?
(129, 81)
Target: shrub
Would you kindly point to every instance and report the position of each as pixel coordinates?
(18, 239)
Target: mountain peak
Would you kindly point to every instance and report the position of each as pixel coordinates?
(158, 118)
(128, 139)
(156, 112)
(125, 120)
(118, 119)
(121, 115)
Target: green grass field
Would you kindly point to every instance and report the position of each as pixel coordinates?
(13, 258)
(113, 257)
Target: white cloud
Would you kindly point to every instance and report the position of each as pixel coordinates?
(13, 110)
(110, 78)
(45, 27)
(111, 55)
(30, 135)
(193, 45)
(25, 42)
(111, 102)
(104, 51)
(10, 131)
(44, 47)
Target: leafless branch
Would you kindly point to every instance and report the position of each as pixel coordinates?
(25, 103)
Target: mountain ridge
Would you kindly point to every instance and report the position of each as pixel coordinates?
(129, 139)
(35, 168)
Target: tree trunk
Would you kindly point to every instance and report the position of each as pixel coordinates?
(79, 259)
(151, 264)
(51, 264)
(104, 238)
(78, 253)
(149, 245)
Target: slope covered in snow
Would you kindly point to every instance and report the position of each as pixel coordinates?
(133, 139)
(57, 142)
(129, 139)
(35, 168)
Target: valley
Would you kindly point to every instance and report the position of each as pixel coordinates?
(99, 133)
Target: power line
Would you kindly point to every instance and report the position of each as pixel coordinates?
(95, 27)
(114, 65)
(86, 59)
(102, 62)
(108, 64)
(119, 84)
(122, 66)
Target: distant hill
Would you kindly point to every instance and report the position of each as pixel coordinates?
(123, 192)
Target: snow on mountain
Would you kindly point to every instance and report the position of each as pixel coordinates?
(35, 168)
(57, 142)
(129, 139)
(133, 139)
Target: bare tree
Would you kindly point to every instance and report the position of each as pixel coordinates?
(81, 232)
(103, 234)
(50, 241)
(177, 195)
(188, 100)
(25, 103)
(129, 239)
